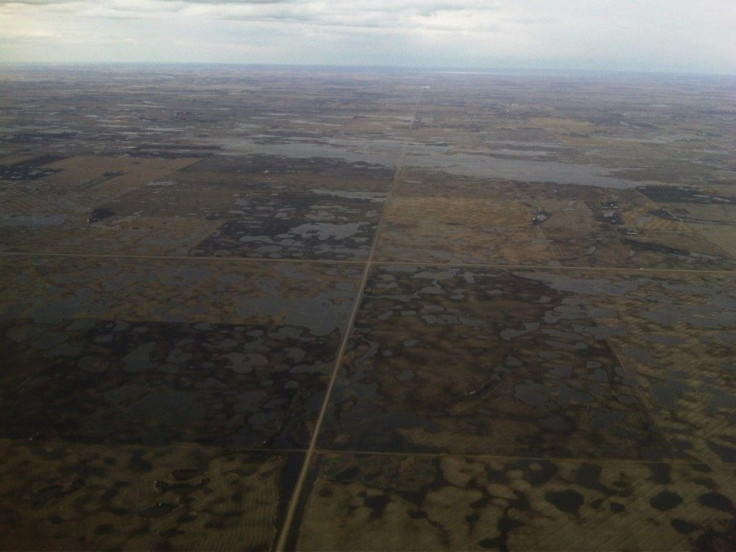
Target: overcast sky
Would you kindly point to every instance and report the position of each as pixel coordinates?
(649, 35)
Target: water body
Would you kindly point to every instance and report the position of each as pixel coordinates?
(438, 157)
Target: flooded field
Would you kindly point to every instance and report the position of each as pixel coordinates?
(286, 309)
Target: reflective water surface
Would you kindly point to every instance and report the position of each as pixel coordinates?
(250, 309)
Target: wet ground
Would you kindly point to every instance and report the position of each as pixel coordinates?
(391, 311)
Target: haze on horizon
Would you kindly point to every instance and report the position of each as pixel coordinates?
(620, 35)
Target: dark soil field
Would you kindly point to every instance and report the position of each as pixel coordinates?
(250, 309)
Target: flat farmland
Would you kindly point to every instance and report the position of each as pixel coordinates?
(272, 309)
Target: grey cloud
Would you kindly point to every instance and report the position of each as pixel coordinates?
(242, 2)
(529, 20)
(35, 2)
(411, 14)
(668, 34)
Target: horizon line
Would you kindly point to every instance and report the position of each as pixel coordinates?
(375, 67)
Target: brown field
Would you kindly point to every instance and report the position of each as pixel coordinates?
(282, 309)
